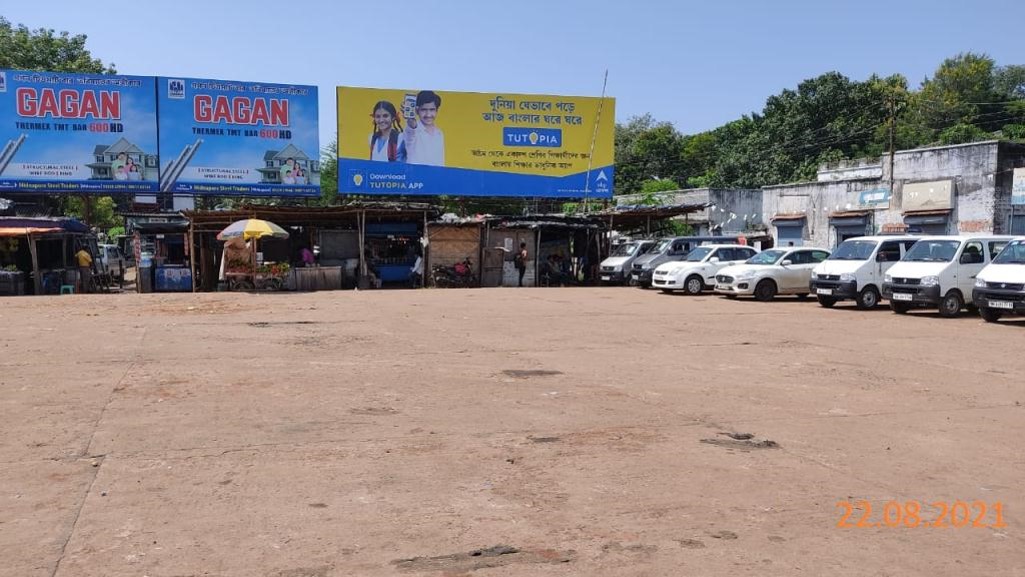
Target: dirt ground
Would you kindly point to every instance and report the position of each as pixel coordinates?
(501, 432)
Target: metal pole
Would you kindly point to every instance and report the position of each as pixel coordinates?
(594, 136)
(893, 121)
(192, 254)
(537, 256)
(590, 157)
(35, 264)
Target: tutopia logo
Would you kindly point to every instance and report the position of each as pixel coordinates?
(175, 88)
(357, 178)
(539, 137)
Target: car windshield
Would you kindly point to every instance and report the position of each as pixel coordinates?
(767, 257)
(627, 249)
(854, 250)
(933, 251)
(1013, 253)
(661, 246)
(697, 254)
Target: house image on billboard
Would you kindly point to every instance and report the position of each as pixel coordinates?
(106, 156)
(275, 159)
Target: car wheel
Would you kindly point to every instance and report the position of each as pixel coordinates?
(951, 305)
(990, 315)
(694, 285)
(827, 302)
(900, 308)
(867, 298)
(765, 290)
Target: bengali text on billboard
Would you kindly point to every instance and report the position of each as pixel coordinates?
(222, 137)
(77, 133)
(425, 142)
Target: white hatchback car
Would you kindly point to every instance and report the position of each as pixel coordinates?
(697, 272)
(778, 271)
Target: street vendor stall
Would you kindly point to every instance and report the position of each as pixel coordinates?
(243, 265)
(37, 254)
(163, 253)
(352, 242)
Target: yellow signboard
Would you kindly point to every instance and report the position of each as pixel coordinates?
(474, 144)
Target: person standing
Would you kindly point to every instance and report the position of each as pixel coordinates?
(307, 256)
(520, 260)
(425, 143)
(85, 269)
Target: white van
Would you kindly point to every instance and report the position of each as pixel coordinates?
(940, 271)
(1000, 287)
(855, 270)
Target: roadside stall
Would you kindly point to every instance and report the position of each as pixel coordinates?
(561, 249)
(163, 255)
(37, 254)
(244, 266)
(352, 244)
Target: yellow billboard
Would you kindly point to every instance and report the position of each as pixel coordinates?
(429, 142)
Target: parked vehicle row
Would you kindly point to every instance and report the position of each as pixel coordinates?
(947, 273)
(939, 271)
(856, 270)
(696, 272)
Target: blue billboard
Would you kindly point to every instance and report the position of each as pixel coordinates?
(225, 138)
(77, 133)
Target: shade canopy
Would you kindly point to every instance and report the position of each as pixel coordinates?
(252, 228)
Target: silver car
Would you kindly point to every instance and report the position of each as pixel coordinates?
(616, 269)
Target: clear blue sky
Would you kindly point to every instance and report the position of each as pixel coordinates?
(695, 64)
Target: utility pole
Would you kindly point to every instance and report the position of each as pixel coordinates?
(893, 122)
(87, 209)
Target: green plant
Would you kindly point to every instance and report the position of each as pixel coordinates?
(236, 264)
(11, 268)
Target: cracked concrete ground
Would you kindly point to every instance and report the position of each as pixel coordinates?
(500, 432)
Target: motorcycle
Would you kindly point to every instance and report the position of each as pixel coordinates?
(459, 275)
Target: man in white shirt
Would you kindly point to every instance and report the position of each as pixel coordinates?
(425, 143)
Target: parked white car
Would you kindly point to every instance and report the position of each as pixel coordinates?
(778, 271)
(1000, 287)
(112, 262)
(697, 272)
(940, 271)
(856, 269)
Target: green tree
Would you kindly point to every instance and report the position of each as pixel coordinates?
(103, 212)
(645, 148)
(962, 133)
(45, 49)
(1009, 82)
(960, 92)
(653, 190)
(329, 174)
(698, 158)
